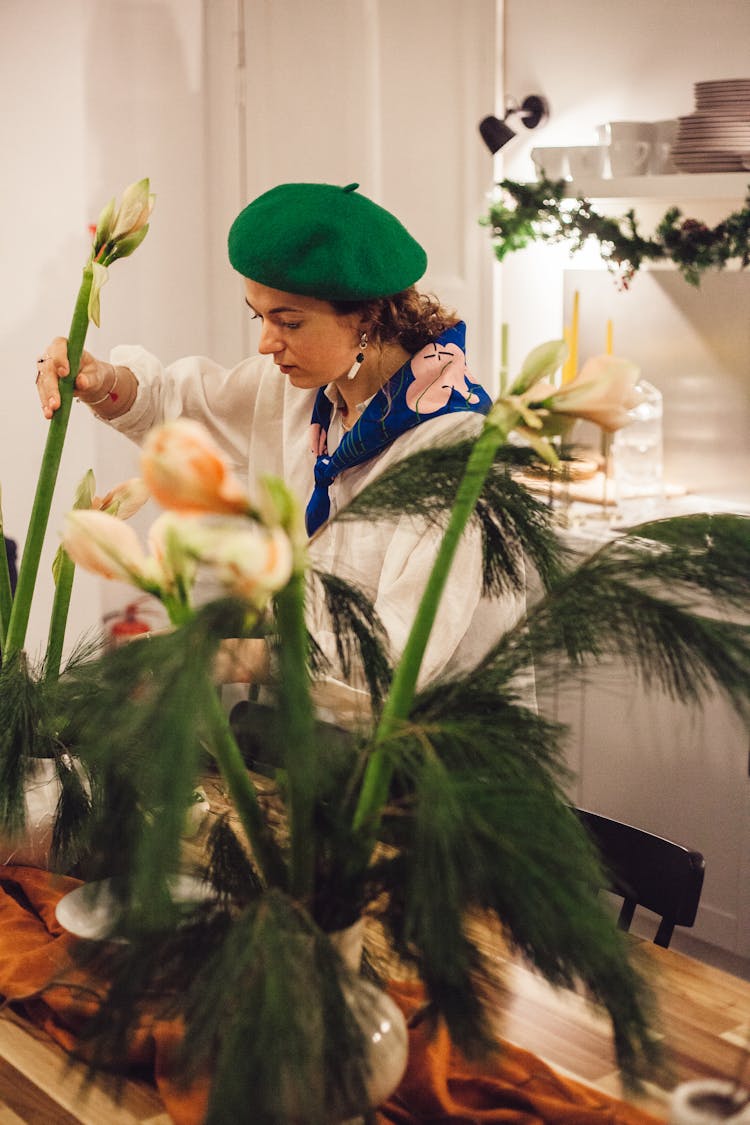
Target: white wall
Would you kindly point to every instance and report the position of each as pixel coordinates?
(94, 94)
(379, 92)
(215, 100)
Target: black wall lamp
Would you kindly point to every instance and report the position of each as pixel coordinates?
(496, 133)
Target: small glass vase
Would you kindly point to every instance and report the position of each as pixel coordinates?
(381, 1021)
(32, 847)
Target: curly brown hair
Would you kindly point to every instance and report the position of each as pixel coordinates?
(410, 318)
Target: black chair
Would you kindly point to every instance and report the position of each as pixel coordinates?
(649, 871)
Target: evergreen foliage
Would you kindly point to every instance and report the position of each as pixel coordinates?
(524, 213)
(448, 807)
(475, 823)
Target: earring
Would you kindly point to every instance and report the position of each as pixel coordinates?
(351, 373)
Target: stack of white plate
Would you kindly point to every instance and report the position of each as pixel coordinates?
(716, 138)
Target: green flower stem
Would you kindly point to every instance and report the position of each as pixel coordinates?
(60, 605)
(19, 616)
(377, 778)
(242, 792)
(6, 594)
(298, 734)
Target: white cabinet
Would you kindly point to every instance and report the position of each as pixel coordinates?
(636, 754)
(676, 770)
(681, 771)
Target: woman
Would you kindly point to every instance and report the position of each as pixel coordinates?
(356, 370)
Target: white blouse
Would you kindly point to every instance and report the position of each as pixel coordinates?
(262, 423)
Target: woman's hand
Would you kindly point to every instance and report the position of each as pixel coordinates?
(98, 383)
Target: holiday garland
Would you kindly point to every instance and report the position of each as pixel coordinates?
(527, 212)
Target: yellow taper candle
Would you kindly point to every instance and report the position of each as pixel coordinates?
(609, 337)
(571, 336)
(503, 356)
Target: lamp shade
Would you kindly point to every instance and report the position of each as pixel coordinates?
(495, 133)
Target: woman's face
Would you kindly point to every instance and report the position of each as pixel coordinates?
(311, 343)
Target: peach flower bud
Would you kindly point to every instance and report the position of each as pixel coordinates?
(185, 471)
(124, 500)
(105, 545)
(602, 392)
(170, 542)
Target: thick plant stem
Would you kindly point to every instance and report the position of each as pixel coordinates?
(242, 792)
(377, 777)
(60, 605)
(298, 734)
(27, 574)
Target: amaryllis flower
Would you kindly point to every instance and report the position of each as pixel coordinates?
(603, 392)
(252, 563)
(248, 560)
(124, 500)
(185, 471)
(106, 546)
(171, 543)
(119, 231)
(535, 409)
(117, 225)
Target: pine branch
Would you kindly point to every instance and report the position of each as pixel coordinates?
(261, 996)
(377, 775)
(361, 639)
(513, 522)
(489, 829)
(26, 733)
(230, 869)
(667, 606)
(162, 693)
(70, 832)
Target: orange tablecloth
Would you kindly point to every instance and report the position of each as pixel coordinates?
(440, 1085)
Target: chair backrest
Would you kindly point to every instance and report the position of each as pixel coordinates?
(647, 870)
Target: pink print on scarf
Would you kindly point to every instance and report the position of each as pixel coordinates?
(438, 369)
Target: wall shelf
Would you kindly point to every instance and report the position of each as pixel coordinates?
(683, 186)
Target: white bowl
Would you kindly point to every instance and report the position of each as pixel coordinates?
(586, 161)
(551, 162)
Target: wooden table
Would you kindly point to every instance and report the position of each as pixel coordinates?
(705, 1020)
(39, 1086)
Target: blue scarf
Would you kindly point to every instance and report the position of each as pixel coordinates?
(433, 382)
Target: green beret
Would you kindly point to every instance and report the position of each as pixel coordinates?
(324, 241)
